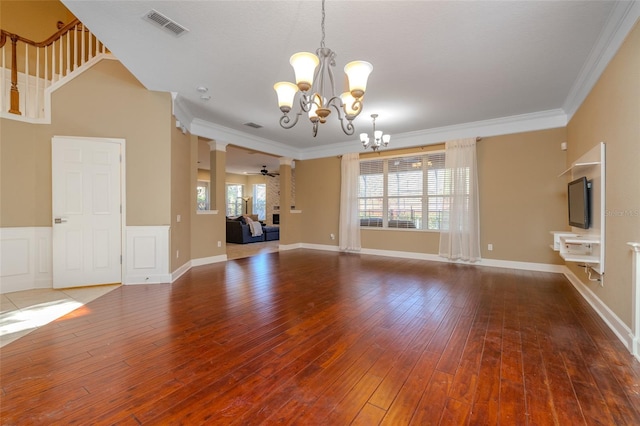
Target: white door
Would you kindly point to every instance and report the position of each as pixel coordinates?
(86, 211)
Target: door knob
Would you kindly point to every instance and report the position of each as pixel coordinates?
(60, 219)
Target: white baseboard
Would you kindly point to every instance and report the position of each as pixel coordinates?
(208, 260)
(285, 247)
(147, 279)
(527, 266)
(616, 325)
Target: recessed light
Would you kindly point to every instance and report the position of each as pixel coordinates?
(205, 97)
(202, 89)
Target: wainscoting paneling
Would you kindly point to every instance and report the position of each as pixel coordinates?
(25, 258)
(147, 255)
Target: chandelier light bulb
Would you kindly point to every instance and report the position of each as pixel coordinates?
(304, 65)
(358, 74)
(286, 92)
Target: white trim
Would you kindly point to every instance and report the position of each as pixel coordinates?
(495, 263)
(55, 86)
(196, 262)
(220, 133)
(147, 255)
(180, 271)
(285, 247)
(205, 212)
(208, 260)
(620, 22)
(25, 258)
(616, 325)
(635, 297)
(541, 120)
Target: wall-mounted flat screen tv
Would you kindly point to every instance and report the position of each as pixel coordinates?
(578, 192)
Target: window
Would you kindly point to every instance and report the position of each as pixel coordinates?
(403, 192)
(234, 199)
(260, 200)
(202, 195)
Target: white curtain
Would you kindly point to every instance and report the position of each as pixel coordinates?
(460, 234)
(349, 234)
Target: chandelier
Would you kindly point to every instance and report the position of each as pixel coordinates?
(378, 138)
(315, 82)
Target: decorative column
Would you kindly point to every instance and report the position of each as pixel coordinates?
(217, 173)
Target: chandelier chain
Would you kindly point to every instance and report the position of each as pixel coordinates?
(322, 42)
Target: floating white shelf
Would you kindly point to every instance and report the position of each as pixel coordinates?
(586, 246)
(583, 248)
(578, 165)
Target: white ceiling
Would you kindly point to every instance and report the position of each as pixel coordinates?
(442, 69)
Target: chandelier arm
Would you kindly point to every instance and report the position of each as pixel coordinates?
(286, 122)
(332, 63)
(357, 107)
(337, 104)
(349, 129)
(305, 103)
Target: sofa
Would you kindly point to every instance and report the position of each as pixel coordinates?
(239, 232)
(271, 233)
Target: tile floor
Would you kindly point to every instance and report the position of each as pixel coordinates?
(21, 312)
(237, 251)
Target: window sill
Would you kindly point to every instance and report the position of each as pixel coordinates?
(206, 211)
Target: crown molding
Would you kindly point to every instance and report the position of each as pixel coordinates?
(219, 133)
(623, 17)
(494, 127)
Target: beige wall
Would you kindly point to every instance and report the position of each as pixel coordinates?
(521, 196)
(35, 20)
(207, 229)
(105, 101)
(181, 189)
(611, 114)
(521, 200)
(318, 197)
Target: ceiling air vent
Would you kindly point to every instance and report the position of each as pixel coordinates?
(160, 20)
(254, 125)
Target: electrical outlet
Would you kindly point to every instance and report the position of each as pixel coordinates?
(333, 236)
(219, 243)
(178, 218)
(490, 247)
(177, 254)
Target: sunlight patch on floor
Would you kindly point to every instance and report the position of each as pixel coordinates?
(21, 312)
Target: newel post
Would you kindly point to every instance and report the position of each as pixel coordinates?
(14, 107)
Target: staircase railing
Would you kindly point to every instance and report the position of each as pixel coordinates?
(38, 65)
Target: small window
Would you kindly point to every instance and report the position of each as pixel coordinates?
(202, 195)
(234, 199)
(260, 200)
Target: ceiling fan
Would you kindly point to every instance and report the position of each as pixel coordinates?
(265, 172)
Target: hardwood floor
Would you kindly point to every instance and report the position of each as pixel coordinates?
(311, 337)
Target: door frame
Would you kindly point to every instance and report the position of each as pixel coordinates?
(123, 192)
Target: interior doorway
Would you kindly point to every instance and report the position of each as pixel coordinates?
(87, 200)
